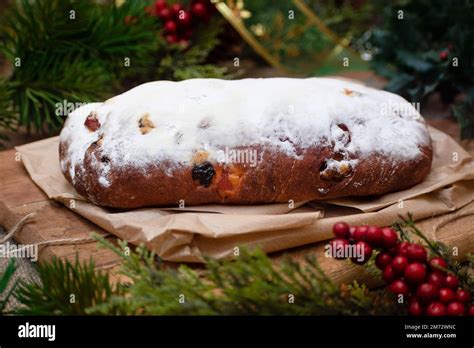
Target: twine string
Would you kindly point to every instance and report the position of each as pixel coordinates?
(452, 217)
(60, 241)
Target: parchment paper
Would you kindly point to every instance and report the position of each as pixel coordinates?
(187, 234)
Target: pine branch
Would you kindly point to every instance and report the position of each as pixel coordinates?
(66, 288)
(5, 283)
(249, 285)
(7, 116)
(59, 55)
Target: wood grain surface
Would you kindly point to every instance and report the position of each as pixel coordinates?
(19, 196)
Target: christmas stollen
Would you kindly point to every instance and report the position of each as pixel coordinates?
(246, 141)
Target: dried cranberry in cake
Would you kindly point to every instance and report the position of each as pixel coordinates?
(145, 124)
(229, 181)
(92, 123)
(203, 173)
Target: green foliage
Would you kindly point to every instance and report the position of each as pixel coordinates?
(407, 51)
(253, 284)
(79, 51)
(66, 288)
(177, 63)
(5, 283)
(7, 117)
(76, 56)
(464, 113)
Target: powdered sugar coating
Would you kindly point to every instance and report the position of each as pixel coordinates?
(210, 114)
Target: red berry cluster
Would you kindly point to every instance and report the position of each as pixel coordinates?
(178, 21)
(430, 288)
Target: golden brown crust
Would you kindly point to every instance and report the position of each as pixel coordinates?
(276, 178)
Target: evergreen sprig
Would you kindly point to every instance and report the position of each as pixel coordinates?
(7, 286)
(66, 51)
(7, 117)
(251, 284)
(69, 50)
(66, 288)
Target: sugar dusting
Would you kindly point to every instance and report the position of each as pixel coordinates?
(210, 114)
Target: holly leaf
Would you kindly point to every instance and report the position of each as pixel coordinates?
(399, 82)
(414, 61)
(464, 114)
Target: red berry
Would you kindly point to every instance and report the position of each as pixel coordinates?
(438, 264)
(92, 123)
(436, 278)
(164, 14)
(443, 55)
(393, 251)
(184, 18)
(399, 287)
(360, 233)
(436, 309)
(171, 38)
(415, 272)
(170, 26)
(402, 248)
(455, 308)
(388, 275)
(389, 238)
(159, 5)
(199, 10)
(341, 230)
(451, 281)
(382, 260)
(463, 295)
(415, 307)
(470, 310)
(352, 229)
(338, 248)
(399, 263)
(446, 295)
(364, 251)
(416, 252)
(175, 8)
(427, 292)
(187, 35)
(374, 236)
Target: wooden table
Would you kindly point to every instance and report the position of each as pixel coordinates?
(19, 196)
